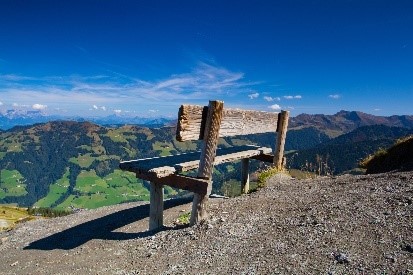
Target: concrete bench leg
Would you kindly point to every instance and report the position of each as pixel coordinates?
(245, 176)
(156, 207)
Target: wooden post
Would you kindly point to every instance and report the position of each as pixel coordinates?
(245, 176)
(156, 206)
(206, 163)
(282, 133)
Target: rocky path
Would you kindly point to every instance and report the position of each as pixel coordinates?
(343, 225)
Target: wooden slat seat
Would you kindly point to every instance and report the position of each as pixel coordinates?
(160, 167)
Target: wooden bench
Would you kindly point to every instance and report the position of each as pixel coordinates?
(207, 123)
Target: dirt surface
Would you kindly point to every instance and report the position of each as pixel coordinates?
(342, 225)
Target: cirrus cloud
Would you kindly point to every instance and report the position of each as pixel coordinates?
(102, 92)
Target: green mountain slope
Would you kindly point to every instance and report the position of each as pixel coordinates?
(345, 152)
(398, 157)
(60, 164)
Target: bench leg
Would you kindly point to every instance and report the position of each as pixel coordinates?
(245, 176)
(156, 206)
(199, 206)
(282, 133)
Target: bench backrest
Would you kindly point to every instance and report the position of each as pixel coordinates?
(192, 119)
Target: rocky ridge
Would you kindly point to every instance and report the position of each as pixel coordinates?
(329, 225)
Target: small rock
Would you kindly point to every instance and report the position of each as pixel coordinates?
(341, 258)
(14, 264)
(209, 226)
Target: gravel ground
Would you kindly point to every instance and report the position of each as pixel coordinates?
(341, 225)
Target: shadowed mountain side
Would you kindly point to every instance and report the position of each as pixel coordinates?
(102, 228)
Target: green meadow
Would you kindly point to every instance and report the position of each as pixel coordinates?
(12, 184)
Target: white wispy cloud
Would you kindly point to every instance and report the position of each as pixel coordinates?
(202, 83)
(335, 96)
(293, 97)
(377, 109)
(39, 106)
(117, 111)
(275, 107)
(103, 108)
(254, 95)
(269, 98)
(1, 103)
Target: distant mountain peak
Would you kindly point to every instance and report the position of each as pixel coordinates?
(346, 121)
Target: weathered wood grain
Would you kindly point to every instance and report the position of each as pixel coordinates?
(156, 206)
(191, 120)
(159, 167)
(207, 158)
(225, 155)
(282, 133)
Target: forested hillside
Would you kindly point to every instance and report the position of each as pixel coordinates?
(344, 153)
(75, 164)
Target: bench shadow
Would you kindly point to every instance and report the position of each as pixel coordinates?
(102, 228)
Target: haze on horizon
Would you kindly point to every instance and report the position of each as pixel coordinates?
(145, 58)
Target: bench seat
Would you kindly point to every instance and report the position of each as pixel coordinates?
(160, 167)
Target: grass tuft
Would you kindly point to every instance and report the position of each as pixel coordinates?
(184, 218)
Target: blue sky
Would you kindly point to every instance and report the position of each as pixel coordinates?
(145, 58)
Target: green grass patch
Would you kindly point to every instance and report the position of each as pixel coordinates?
(91, 191)
(9, 216)
(56, 190)
(264, 175)
(84, 161)
(165, 148)
(118, 135)
(12, 184)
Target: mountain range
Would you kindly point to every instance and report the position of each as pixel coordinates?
(12, 118)
(345, 121)
(75, 164)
